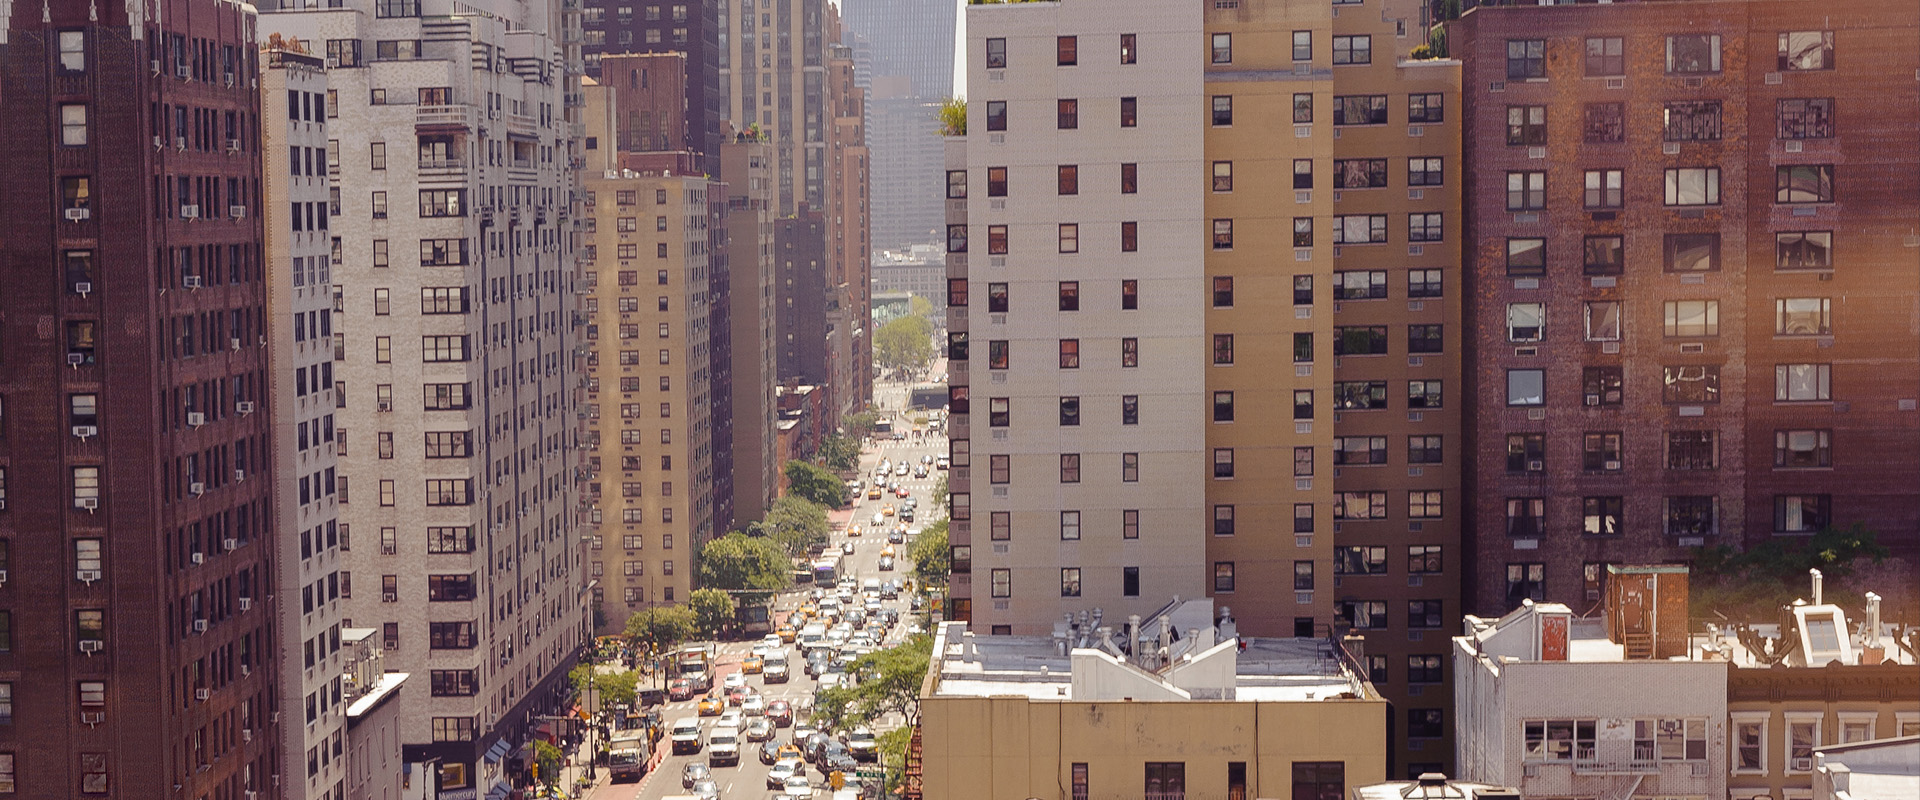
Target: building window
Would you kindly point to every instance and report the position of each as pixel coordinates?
(1068, 181)
(1693, 53)
(1526, 257)
(996, 240)
(1603, 255)
(1069, 411)
(1690, 384)
(1527, 125)
(1355, 229)
(1526, 58)
(1069, 353)
(1426, 108)
(1130, 409)
(1129, 178)
(1526, 452)
(1360, 560)
(996, 181)
(1223, 406)
(1223, 349)
(1426, 171)
(1605, 123)
(1303, 45)
(73, 58)
(1303, 403)
(1359, 173)
(1423, 283)
(1352, 50)
(1749, 746)
(996, 121)
(1130, 295)
(1526, 387)
(1424, 449)
(1349, 451)
(1606, 57)
(1166, 780)
(1691, 252)
(1354, 396)
(1600, 452)
(1692, 318)
(1360, 340)
(1526, 321)
(957, 183)
(1803, 250)
(1000, 469)
(1222, 48)
(1067, 114)
(1559, 739)
(1303, 462)
(1359, 505)
(1069, 467)
(1302, 231)
(1693, 186)
(1130, 524)
(1692, 121)
(1223, 576)
(1222, 462)
(1002, 583)
(1603, 320)
(1360, 109)
(996, 53)
(1223, 520)
(1802, 316)
(1000, 526)
(1129, 54)
(1803, 183)
(1804, 118)
(1222, 110)
(1424, 504)
(1526, 516)
(1067, 50)
(1802, 382)
(1423, 559)
(1069, 238)
(73, 124)
(1526, 582)
(1801, 513)
(1805, 50)
(1691, 450)
(1802, 449)
(1223, 176)
(1603, 188)
(1303, 516)
(1691, 515)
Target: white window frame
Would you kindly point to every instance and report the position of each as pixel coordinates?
(1815, 718)
(1853, 718)
(1764, 720)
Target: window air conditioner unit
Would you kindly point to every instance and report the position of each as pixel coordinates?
(196, 418)
(1536, 466)
(191, 281)
(83, 288)
(159, 142)
(87, 575)
(89, 504)
(246, 603)
(180, 143)
(201, 694)
(86, 431)
(230, 544)
(389, 597)
(244, 406)
(383, 406)
(246, 734)
(76, 359)
(181, 70)
(78, 214)
(237, 212)
(229, 80)
(91, 646)
(200, 626)
(92, 717)
(155, 66)
(1802, 765)
(3, 577)
(233, 343)
(198, 558)
(239, 475)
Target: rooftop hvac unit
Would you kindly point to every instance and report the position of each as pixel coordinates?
(78, 214)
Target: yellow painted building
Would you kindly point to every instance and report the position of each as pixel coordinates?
(1074, 717)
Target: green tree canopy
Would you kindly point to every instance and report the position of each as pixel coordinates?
(920, 307)
(953, 116)
(815, 484)
(794, 523)
(906, 342)
(932, 559)
(861, 424)
(940, 492)
(741, 562)
(661, 627)
(890, 682)
(712, 609)
(840, 452)
(1756, 582)
(613, 688)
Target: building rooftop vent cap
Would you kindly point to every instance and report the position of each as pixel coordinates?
(1430, 779)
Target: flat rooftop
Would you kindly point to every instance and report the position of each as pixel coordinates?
(1269, 670)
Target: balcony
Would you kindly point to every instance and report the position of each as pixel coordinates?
(522, 125)
(443, 166)
(1617, 766)
(446, 117)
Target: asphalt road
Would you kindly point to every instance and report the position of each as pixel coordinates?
(748, 780)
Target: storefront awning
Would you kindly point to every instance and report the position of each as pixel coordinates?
(497, 751)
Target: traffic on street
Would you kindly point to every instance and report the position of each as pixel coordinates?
(750, 736)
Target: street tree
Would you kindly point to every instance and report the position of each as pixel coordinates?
(740, 562)
(659, 628)
(859, 425)
(889, 683)
(795, 523)
(712, 608)
(613, 688)
(840, 452)
(904, 343)
(932, 559)
(920, 307)
(815, 484)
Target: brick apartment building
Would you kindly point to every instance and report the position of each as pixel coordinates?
(136, 484)
(1692, 288)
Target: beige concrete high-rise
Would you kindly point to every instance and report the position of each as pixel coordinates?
(747, 162)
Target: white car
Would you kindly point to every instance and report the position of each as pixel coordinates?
(901, 470)
(772, 641)
(734, 679)
(761, 649)
(879, 519)
(731, 718)
(797, 785)
(783, 769)
(754, 705)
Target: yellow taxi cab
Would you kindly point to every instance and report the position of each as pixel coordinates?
(788, 750)
(873, 493)
(753, 665)
(853, 531)
(886, 552)
(887, 510)
(712, 705)
(809, 611)
(786, 634)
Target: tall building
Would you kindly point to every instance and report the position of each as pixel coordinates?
(300, 290)
(747, 161)
(1691, 296)
(849, 218)
(772, 63)
(448, 156)
(1084, 266)
(647, 422)
(801, 302)
(137, 655)
(905, 49)
(692, 28)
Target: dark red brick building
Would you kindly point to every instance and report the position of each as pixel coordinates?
(1692, 276)
(136, 651)
(691, 27)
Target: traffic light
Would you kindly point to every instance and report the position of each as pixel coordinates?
(837, 779)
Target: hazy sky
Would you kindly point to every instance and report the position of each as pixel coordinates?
(960, 51)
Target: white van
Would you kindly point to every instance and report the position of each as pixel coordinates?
(686, 736)
(724, 747)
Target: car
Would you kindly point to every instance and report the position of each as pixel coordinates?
(781, 712)
(886, 552)
(776, 672)
(738, 694)
(814, 743)
(893, 486)
(862, 744)
(879, 518)
(680, 689)
(768, 752)
(723, 746)
(902, 492)
(835, 757)
(939, 463)
(900, 470)
(707, 790)
(896, 537)
(886, 564)
(889, 591)
(846, 548)
(731, 718)
(712, 704)
(906, 515)
(753, 665)
(926, 459)
(733, 679)
(797, 785)
(920, 472)
(789, 750)
(873, 492)
(760, 729)
(853, 531)
(786, 633)
(694, 772)
(801, 732)
(686, 736)
(782, 770)
(887, 510)
(755, 705)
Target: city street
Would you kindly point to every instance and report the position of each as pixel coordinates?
(748, 780)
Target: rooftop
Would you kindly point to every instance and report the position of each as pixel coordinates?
(1883, 769)
(1182, 655)
(1434, 786)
